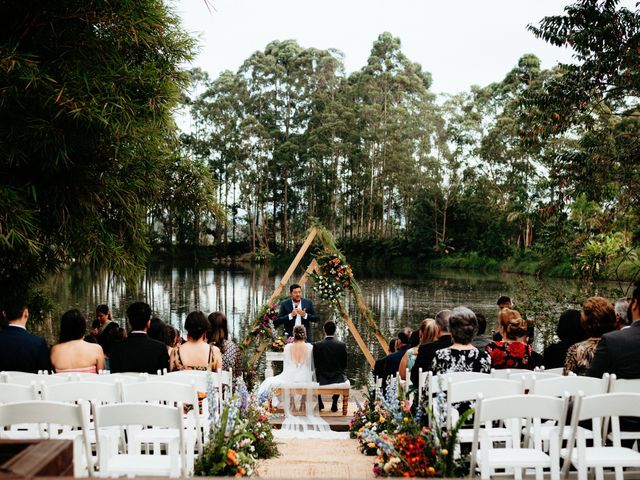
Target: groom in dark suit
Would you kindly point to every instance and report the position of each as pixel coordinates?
(138, 352)
(330, 361)
(296, 311)
(20, 350)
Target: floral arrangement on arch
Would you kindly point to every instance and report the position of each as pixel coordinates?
(263, 327)
(406, 444)
(332, 277)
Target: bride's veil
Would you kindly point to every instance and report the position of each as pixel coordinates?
(300, 405)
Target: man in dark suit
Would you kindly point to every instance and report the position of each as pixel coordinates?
(296, 311)
(138, 352)
(330, 361)
(20, 350)
(619, 351)
(427, 351)
(388, 365)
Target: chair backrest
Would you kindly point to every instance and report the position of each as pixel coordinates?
(506, 372)
(105, 392)
(121, 377)
(197, 377)
(557, 386)
(465, 391)
(555, 371)
(51, 413)
(621, 385)
(10, 392)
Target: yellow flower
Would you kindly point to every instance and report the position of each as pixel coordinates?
(444, 451)
(405, 419)
(431, 470)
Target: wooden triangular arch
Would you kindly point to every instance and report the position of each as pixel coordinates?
(328, 244)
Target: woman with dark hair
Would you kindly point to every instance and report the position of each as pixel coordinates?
(512, 351)
(426, 333)
(157, 330)
(73, 354)
(103, 315)
(569, 331)
(219, 336)
(598, 317)
(461, 356)
(196, 353)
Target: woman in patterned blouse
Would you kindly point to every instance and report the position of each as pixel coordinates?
(219, 336)
(598, 317)
(462, 356)
(513, 351)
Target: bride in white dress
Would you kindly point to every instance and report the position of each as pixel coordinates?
(298, 376)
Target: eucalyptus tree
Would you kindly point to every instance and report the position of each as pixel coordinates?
(392, 98)
(87, 91)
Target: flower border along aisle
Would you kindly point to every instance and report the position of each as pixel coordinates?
(239, 435)
(404, 443)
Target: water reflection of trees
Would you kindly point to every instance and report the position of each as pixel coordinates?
(239, 292)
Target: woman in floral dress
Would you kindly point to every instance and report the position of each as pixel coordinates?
(598, 317)
(461, 356)
(513, 351)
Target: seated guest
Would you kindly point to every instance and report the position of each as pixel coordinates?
(73, 354)
(173, 337)
(598, 318)
(623, 316)
(569, 331)
(330, 361)
(157, 330)
(426, 333)
(92, 336)
(461, 356)
(20, 350)
(138, 352)
(219, 336)
(512, 351)
(388, 365)
(103, 315)
(427, 351)
(196, 353)
(480, 341)
(504, 302)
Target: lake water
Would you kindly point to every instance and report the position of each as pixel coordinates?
(395, 299)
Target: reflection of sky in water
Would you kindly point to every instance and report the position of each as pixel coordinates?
(395, 301)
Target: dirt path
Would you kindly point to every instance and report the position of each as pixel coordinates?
(313, 458)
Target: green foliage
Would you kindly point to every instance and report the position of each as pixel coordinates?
(595, 256)
(87, 91)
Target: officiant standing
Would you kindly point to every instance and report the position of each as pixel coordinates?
(296, 311)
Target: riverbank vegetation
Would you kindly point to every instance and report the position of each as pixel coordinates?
(536, 172)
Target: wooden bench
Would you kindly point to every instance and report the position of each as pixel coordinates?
(338, 389)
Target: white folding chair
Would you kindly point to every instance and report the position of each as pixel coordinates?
(133, 462)
(121, 377)
(47, 416)
(596, 408)
(506, 372)
(178, 394)
(529, 377)
(10, 392)
(467, 391)
(559, 386)
(554, 371)
(516, 410)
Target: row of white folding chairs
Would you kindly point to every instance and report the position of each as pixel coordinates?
(529, 412)
(109, 421)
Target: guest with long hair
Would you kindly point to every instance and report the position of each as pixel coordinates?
(219, 336)
(72, 353)
(196, 353)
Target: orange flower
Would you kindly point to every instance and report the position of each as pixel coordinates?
(232, 458)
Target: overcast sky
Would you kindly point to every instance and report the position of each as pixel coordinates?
(461, 42)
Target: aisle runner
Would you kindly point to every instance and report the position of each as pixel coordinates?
(313, 458)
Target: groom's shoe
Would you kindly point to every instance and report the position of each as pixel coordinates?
(334, 405)
(320, 404)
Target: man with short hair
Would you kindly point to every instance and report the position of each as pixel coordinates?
(296, 311)
(330, 361)
(138, 352)
(619, 351)
(388, 365)
(20, 350)
(504, 302)
(427, 351)
(623, 320)
(480, 341)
